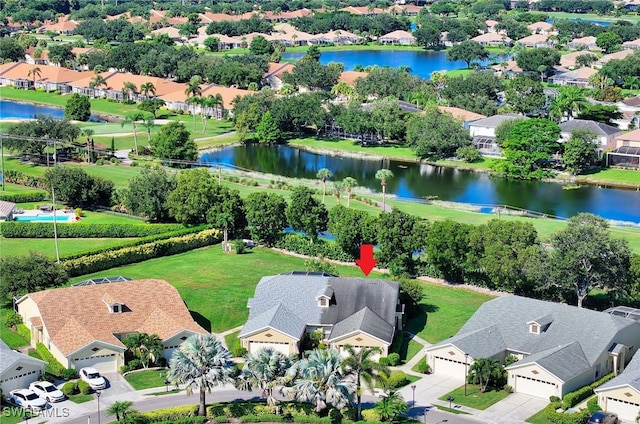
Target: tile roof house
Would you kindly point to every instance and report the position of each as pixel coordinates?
(356, 311)
(398, 37)
(584, 43)
(617, 55)
(273, 77)
(50, 78)
(578, 78)
(540, 27)
(492, 39)
(559, 348)
(18, 370)
(627, 151)
(537, 40)
(7, 209)
(483, 133)
(569, 61)
(606, 134)
(462, 115)
(85, 325)
(622, 394)
(350, 77)
(633, 44)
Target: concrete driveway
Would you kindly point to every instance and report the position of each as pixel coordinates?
(515, 408)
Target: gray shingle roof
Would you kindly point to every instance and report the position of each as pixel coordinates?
(565, 362)
(366, 321)
(6, 208)
(597, 127)
(592, 331)
(630, 376)
(495, 120)
(9, 358)
(298, 294)
(482, 343)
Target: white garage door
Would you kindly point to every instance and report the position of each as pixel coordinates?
(103, 363)
(625, 410)
(533, 387)
(278, 347)
(449, 367)
(20, 380)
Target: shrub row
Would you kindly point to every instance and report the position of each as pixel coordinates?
(89, 264)
(29, 196)
(80, 230)
(140, 241)
(20, 178)
(320, 248)
(572, 399)
(550, 414)
(188, 420)
(53, 366)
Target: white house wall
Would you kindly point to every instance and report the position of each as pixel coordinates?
(481, 131)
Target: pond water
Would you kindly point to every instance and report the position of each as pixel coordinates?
(422, 63)
(16, 110)
(417, 181)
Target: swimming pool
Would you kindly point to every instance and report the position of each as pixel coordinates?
(45, 218)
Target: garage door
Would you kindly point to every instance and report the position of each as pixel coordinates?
(278, 347)
(20, 380)
(103, 363)
(625, 410)
(533, 387)
(449, 367)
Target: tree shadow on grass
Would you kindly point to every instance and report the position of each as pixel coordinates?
(201, 320)
(418, 316)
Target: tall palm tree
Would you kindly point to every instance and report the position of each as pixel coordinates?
(574, 100)
(365, 370)
(193, 101)
(88, 132)
(384, 175)
(35, 72)
(147, 88)
(121, 409)
(97, 81)
(337, 189)
(193, 90)
(150, 350)
(133, 118)
(349, 183)
(320, 379)
(148, 124)
(129, 89)
(324, 174)
(224, 220)
(201, 363)
(264, 370)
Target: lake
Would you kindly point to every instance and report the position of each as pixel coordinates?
(416, 181)
(16, 110)
(421, 62)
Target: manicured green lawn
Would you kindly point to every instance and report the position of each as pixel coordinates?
(628, 176)
(80, 398)
(445, 309)
(482, 163)
(232, 341)
(475, 399)
(592, 17)
(10, 337)
(14, 415)
(67, 246)
(459, 72)
(146, 379)
(15, 188)
(340, 145)
(451, 410)
(413, 349)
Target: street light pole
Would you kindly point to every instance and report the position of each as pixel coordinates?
(413, 388)
(55, 221)
(466, 357)
(98, 393)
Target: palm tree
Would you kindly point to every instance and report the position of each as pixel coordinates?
(201, 363)
(88, 132)
(147, 88)
(323, 174)
(150, 350)
(129, 88)
(320, 379)
(224, 220)
(35, 72)
(121, 409)
(574, 99)
(391, 406)
(193, 101)
(384, 175)
(482, 371)
(337, 189)
(348, 183)
(97, 81)
(148, 124)
(364, 369)
(343, 89)
(133, 118)
(193, 90)
(264, 370)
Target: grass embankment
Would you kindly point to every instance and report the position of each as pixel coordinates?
(592, 17)
(475, 398)
(147, 379)
(217, 295)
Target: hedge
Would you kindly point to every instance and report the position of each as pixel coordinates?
(89, 264)
(188, 420)
(170, 414)
(572, 399)
(14, 229)
(53, 366)
(24, 197)
(84, 387)
(319, 248)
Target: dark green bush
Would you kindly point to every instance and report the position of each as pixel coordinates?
(592, 405)
(320, 248)
(128, 255)
(266, 418)
(29, 196)
(70, 388)
(422, 366)
(552, 416)
(53, 366)
(20, 178)
(84, 387)
(15, 229)
(384, 361)
(395, 381)
(69, 374)
(394, 359)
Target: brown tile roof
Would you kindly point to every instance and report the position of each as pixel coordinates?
(350, 77)
(632, 101)
(461, 114)
(48, 73)
(76, 316)
(277, 69)
(115, 80)
(545, 26)
(630, 136)
(227, 93)
(36, 321)
(617, 55)
(63, 24)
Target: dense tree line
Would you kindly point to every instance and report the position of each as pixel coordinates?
(241, 27)
(114, 30)
(575, 6)
(372, 25)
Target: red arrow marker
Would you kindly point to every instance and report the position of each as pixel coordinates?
(366, 261)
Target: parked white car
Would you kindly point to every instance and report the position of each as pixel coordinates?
(27, 399)
(47, 391)
(93, 377)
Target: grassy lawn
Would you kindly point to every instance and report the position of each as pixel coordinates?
(482, 163)
(340, 145)
(46, 246)
(451, 410)
(217, 294)
(627, 176)
(475, 399)
(232, 341)
(15, 188)
(444, 310)
(147, 379)
(462, 72)
(592, 17)
(14, 415)
(204, 143)
(413, 349)
(80, 398)
(10, 337)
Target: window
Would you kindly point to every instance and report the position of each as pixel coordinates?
(534, 329)
(323, 302)
(116, 309)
